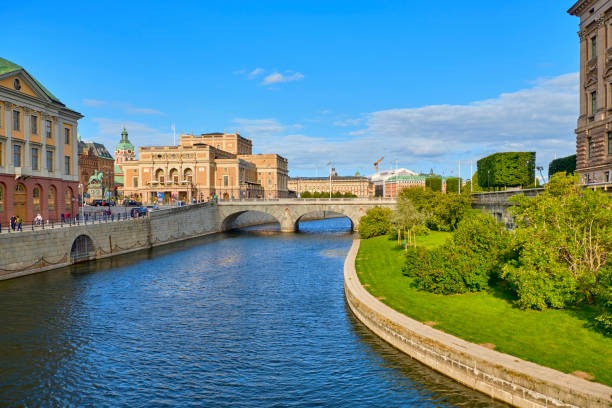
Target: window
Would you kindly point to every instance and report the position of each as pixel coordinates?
(51, 199)
(67, 165)
(593, 103)
(609, 144)
(1, 115)
(34, 124)
(225, 180)
(35, 158)
(607, 176)
(66, 136)
(49, 160)
(590, 147)
(68, 200)
(135, 181)
(594, 47)
(48, 129)
(36, 199)
(16, 155)
(1, 198)
(1, 154)
(16, 121)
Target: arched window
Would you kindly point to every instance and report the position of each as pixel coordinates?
(1, 198)
(188, 175)
(174, 175)
(36, 199)
(68, 200)
(51, 199)
(19, 200)
(159, 175)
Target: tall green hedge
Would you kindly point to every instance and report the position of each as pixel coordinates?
(433, 183)
(509, 169)
(566, 164)
(452, 185)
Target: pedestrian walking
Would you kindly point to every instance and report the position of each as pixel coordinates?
(19, 221)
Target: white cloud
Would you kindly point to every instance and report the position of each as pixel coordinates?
(539, 118)
(125, 107)
(277, 78)
(256, 72)
(348, 122)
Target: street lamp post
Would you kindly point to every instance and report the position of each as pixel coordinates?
(82, 200)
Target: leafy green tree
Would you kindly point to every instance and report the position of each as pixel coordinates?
(465, 263)
(566, 164)
(376, 222)
(406, 215)
(433, 183)
(509, 169)
(452, 185)
(442, 212)
(561, 245)
(306, 194)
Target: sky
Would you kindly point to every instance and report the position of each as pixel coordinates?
(427, 85)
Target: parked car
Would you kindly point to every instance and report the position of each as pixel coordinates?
(138, 212)
(97, 203)
(133, 203)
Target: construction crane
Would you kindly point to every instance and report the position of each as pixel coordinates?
(378, 162)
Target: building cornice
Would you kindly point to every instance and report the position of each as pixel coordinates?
(580, 6)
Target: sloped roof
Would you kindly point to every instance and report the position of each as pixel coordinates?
(7, 67)
(98, 149)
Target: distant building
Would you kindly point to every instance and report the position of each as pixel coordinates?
(38, 149)
(205, 165)
(124, 152)
(394, 184)
(378, 179)
(594, 127)
(360, 186)
(92, 157)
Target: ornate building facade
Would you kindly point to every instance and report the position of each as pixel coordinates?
(394, 184)
(124, 152)
(594, 127)
(38, 149)
(360, 186)
(94, 157)
(202, 166)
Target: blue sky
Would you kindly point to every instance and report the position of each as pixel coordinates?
(423, 83)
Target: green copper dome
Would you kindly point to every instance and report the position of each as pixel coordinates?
(124, 144)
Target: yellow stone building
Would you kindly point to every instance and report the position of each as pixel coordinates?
(362, 187)
(202, 166)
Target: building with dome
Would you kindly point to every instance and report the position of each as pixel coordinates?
(124, 152)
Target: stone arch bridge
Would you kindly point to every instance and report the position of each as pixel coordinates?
(288, 212)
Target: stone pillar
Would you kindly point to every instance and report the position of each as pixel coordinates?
(601, 66)
(26, 135)
(59, 150)
(582, 92)
(43, 141)
(8, 164)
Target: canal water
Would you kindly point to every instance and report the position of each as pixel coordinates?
(255, 318)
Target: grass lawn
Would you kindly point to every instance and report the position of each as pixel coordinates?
(560, 339)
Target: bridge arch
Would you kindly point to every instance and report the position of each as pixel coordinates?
(324, 214)
(257, 217)
(82, 249)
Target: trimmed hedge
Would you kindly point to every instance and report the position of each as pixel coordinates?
(452, 185)
(566, 164)
(433, 183)
(509, 169)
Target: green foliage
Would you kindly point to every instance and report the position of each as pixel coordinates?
(433, 183)
(452, 185)
(441, 212)
(604, 321)
(508, 169)
(561, 245)
(376, 222)
(306, 194)
(406, 215)
(421, 230)
(466, 262)
(562, 164)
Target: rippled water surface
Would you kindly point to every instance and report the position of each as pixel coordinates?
(254, 318)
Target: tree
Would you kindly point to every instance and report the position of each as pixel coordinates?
(452, 185)
(376, 222)
(561, 245)
(508, 169)
(566, 164)
(406, 215)
(433, 183)
(442, 212)
(463, 264)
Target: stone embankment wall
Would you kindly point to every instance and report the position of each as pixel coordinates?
(28, 252)
(503, 377)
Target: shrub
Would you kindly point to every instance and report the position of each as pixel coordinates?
(433, 183)
(421, 230)
(452, 185)
(466, 262)
(562, 164)
(441, 212)
(508, 169)
(376, 222)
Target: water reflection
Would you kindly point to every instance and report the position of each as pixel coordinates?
(250, 318)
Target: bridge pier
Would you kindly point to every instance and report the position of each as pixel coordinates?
(288, 225)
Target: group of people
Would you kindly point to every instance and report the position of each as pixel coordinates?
(16, 223)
